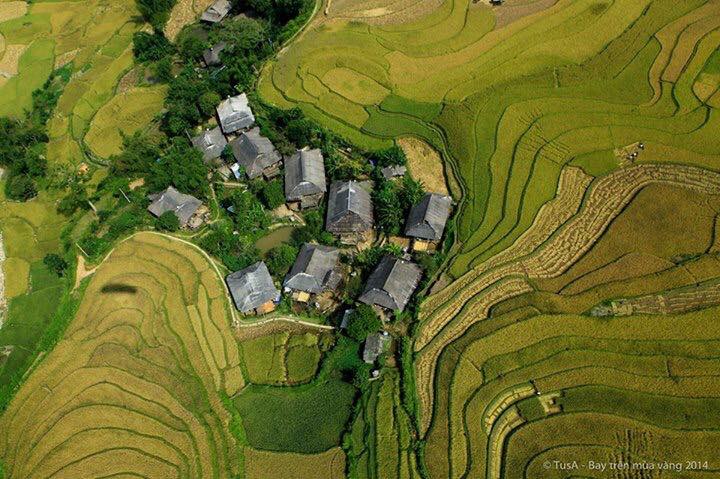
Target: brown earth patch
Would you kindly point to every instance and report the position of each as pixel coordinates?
(11, 59)
(128, 81)
(65, 58)
(184, 13)
(424, 164)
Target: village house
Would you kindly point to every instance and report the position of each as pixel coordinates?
(187, 208)
(350, 211)
(393, 171)
(253, 290)
(305, 179)
(235, 114)
(211, 144)
(211, 56)
(217, 11)
(391, 284)
(375, 345)
(316, 270)
(256, 154)
(426, 221)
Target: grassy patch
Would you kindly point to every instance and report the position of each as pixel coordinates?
(306, 419)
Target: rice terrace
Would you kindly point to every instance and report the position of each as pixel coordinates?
(363, 239)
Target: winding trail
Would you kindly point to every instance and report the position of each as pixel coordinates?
(237, 321)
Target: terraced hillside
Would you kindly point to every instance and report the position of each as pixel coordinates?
(96, 37)
(507, 116)
(581, 305)
(134, 388)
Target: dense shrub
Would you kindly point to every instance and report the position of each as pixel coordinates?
(156, 12)
(150, 47)
(272, 194)
(248, 213)
(181, 166)
(138, 154)
(235, 251)
(363, 321)
(167, 221)
(56, 264)
(280, 259)
(20, 187)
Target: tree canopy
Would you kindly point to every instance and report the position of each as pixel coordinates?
(362, 322)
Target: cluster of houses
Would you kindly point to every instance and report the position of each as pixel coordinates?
(317, 270)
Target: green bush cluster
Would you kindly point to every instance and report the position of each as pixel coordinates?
(280, 259)
(23, 141)
(362, 322)
(56, 264)
(392, 202)
(156, 12)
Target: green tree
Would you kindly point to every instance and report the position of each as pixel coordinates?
(56, 264)
(249, 215)
(190, 47)
(150, 47)
(287, 9)
(363, 321)
(155, 12)
(20, 188)
(280, 259)
(139, 152)
(182, 100)
(182, 167)
(242, 35)
(207, 103)
(76, 199)
(264, 8)
(411, 192)
(272, 194)
(167, 221)
(390, 157)
(361, 376)
(388, 210)
(163, 69)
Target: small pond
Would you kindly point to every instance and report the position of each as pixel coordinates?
(274, 238)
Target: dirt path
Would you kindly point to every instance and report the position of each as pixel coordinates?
(236, 321)
(81, 272)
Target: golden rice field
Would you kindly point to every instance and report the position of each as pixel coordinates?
(134, 388)
(125, 113)
(536, 108)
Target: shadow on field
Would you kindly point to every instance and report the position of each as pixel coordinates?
(118, 288)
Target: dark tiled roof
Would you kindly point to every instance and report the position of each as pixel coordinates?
(349, 208)
(184, 206)
(392, 283)
(211, 143)
(235, 114)
(254, 152)
(217, 11)
(304, 174)
(374, 346)
(211, 56)
(427, 219)
(315, 269)
(393, 171)
(252, 287)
